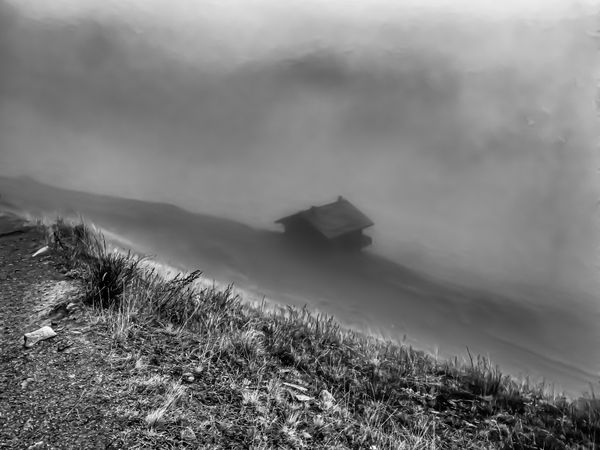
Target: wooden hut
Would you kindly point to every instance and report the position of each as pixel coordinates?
(339, 224)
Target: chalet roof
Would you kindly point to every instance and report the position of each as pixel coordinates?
(333, 219)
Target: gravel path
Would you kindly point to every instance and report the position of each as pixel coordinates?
(47, 395)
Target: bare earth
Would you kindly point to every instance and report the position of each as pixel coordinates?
(51, 395)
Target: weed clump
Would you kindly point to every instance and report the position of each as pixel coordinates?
(86, 256)
(76, 244)
(106, 277)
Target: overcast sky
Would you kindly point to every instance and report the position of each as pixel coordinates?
(497, 165)
(356, 9)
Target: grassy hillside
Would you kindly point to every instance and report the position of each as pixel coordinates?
(234, 375)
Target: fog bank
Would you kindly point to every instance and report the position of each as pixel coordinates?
(470, 138)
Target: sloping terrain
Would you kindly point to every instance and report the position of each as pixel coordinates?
(140, 361)
(532, 335)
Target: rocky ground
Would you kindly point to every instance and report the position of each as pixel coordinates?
(52, 395)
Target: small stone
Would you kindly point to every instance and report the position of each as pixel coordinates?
(26, 383)
(198, 370)
(30, 339)
(187, 434)
(303, 398)
(188, 377)
(72, 307)
(64, 345)
(41, 251)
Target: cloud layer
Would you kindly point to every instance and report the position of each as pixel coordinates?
(471, 143)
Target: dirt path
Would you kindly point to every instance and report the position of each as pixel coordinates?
(42, 388)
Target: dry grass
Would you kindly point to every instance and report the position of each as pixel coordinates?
(290, 379)
(156, 417)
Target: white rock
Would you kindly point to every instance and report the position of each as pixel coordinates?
(41, 251)
(30, 339)
(303, 398)
(187, 434)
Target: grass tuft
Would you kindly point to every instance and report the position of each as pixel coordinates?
(106, 277)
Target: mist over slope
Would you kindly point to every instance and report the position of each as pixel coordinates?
(558, 343)
(470, 141)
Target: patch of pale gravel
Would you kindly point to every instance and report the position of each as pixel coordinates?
(45, 295)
